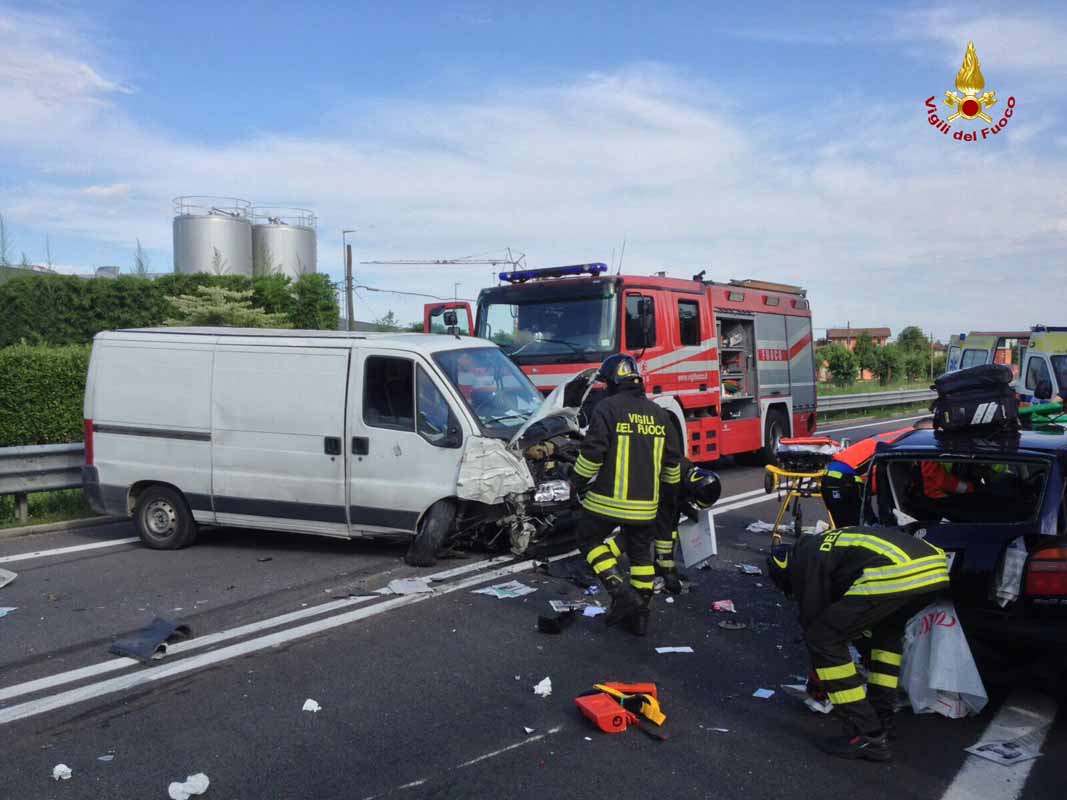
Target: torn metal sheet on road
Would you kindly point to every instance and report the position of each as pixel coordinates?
(151, 642)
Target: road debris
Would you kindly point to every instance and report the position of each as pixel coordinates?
(555, 622)
(670, 600)
(193, 784)
(594, 611)
(544, 688)
(311, 705)
(5, 610)
(528, 730)
(1010, 751)
(763, 694)
(724, 606)
(768, 527)
(732, 625)
(800, 691)
(505, 590)
(61, 772)
(682, 649)
(107, 757)
(408, 586)
(151, 642)
(749, 569)
(264, 559)
(560, 606)
(6, 576)
(592, 590)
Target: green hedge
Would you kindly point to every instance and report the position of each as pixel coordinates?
(63, 309)
(41, 392)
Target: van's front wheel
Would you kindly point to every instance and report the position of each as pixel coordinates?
(430, 537)
(163, 519)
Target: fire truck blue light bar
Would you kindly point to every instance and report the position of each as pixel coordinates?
(523, 275)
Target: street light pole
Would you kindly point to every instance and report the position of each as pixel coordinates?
(346, 255)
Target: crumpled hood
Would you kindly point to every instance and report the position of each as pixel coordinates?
(564, 401)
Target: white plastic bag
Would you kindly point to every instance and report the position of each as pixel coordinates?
(938, 671)
(1010, 570)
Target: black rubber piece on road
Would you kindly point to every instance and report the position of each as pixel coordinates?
(185, 529)
(145, 643)
(430, 537)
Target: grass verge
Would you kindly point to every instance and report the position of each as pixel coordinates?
(46, 507)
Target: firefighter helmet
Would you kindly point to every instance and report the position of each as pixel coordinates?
(778, 567)
(700, 490)
(619, 370)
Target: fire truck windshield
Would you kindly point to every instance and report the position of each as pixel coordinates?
(573, 329)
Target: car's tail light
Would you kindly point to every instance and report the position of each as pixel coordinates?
(1046, 575)
(88, 442)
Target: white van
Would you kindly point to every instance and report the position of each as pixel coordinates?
(332, 433)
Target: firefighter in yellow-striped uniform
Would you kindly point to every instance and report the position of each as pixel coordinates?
(847, 582)
(628, 466)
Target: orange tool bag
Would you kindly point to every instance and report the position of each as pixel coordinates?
(613, 707)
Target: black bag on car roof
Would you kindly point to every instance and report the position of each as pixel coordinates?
(979, 397)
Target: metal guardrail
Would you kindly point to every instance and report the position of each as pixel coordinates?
(849, 402)
(39, 468)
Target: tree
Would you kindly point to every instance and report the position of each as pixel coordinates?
(141, 262)
(864, 352)
(216, 306)
(387, 323)
(940, 364)
(913, 339)
(887, 363)
(413, 327)
(314, 303)
(916, 364)
(6, 244)
(272, 293)
(842, 365)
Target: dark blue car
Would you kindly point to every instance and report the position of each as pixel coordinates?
(1003, 524)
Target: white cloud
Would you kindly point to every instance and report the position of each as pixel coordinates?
(885, 221)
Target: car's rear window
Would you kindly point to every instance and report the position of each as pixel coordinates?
(963, 491)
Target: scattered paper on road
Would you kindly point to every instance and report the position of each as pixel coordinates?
(194, 784)
(749, 569)
(562, 606)
(800, 691)
(593, 611)
(763, 694)
(6, 576)
(409, 586)
(683, 649)
(528, 730)
(725, 606)
(719, 730)
(1012, 751)
(61, 772)
(5, 610)
(506, 590)
(311, 705)
(108, 757)
(544, 688)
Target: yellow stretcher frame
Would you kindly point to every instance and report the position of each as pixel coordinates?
(796, 486)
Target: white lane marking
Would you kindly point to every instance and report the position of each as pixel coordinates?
(413, 784)
(739, 496)
(168, 670)
(465, 568)
(750, 502)
(62, 551)
(870, 424)
(1022, 713)
(115, 664)
(495, 753)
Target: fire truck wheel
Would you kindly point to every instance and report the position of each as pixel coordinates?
(777, 428)
(430, 536)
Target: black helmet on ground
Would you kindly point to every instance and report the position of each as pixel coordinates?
(619, 370)
(700, 491)
(778, 568)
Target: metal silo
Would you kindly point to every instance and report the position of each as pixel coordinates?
(212, 235)
(284, 240)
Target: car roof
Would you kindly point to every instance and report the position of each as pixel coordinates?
(971, 443)
(420, 342)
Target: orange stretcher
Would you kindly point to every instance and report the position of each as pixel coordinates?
(802, 463)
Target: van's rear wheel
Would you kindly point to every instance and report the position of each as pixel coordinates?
(163, 519)
(430, 537)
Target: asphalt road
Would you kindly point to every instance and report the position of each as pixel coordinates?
(428, 695)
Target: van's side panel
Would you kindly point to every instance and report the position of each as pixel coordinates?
(150, 402)
(274, 407)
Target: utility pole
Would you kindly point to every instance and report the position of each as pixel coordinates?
(455, 291)
(350, 311)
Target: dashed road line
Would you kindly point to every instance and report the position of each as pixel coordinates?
(62, 551)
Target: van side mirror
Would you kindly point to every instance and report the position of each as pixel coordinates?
(1043, 390)
(451, 319)
(454, 437)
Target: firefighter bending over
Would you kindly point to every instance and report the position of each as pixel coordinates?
(627, 468)
(846, 582)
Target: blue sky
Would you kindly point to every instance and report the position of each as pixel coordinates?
(780, 141)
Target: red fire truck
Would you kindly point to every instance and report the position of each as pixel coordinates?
(732, 361)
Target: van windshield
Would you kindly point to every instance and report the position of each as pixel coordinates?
(495, 390)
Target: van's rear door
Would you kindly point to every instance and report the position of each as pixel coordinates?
(406, 436)
(278, 436)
